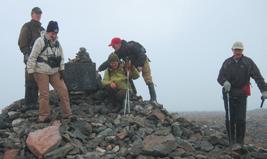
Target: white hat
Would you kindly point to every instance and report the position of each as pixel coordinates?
(238, 45)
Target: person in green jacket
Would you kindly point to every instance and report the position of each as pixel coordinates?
(30, 31)
(115, 79)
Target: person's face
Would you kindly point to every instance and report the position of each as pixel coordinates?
(36, 16)
(52, 35)
(238, 53)
(114, 65)
(116, 47)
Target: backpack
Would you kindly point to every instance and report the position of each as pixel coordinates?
(137, 46)
(30, 27)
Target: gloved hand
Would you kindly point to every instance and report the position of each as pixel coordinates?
(264, 94)
(227, 86)
(61, 74)
(26, 57)
(128, 66)
(31, 76)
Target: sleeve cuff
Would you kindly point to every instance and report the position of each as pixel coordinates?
(30, 71)
(62, 67)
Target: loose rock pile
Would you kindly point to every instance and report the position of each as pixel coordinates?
(97, 132)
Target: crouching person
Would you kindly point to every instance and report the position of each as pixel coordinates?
(46, 65)
(115, 80)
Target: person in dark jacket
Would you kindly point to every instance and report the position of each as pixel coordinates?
(136, 53)
(234, 76)
(30, 31)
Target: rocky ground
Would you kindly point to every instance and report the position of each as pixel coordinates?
(96, 132)
(256, 124)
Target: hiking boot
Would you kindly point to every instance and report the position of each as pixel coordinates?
(44, 119)
(152, 92)
(236, 147)
(67, 116)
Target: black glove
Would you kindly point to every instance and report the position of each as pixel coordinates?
(61, 75)
(30, 76)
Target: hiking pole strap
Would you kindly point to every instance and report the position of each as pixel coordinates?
(262, 101)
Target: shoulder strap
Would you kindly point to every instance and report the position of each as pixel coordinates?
(46, 42)
(109, 74)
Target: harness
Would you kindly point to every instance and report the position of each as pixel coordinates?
(52, 60)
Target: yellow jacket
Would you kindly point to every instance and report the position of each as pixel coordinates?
(119, 77)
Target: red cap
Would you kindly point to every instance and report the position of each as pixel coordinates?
(115, 40)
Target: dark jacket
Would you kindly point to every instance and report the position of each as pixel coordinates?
(30, 31)
(131, 50)
(238, 73)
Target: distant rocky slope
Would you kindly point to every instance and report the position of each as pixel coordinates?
(256, 124)
(96, 132)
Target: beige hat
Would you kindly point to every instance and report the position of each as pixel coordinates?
(113, 57)
(238, 45)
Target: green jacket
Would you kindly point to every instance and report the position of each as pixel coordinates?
(119, 77)
(30, 31)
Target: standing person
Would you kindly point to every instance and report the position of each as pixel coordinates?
(234, 76)
(46, 65)
(136, 53)
(30, 31)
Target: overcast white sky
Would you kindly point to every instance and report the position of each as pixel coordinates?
(186, 40)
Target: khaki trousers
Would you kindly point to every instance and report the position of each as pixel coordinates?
(43, 81)
(146, 73)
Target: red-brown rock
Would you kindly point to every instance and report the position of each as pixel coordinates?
(158, 114)
(44, 140)
(11, 154)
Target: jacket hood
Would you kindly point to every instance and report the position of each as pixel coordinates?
(45, 35)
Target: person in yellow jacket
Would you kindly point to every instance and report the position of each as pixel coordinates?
(115, 78)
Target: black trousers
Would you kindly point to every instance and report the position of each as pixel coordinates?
(31, 91)
(238, 109)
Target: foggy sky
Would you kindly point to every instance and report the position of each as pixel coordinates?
(186, 40)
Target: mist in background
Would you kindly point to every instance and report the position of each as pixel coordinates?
(186, 40)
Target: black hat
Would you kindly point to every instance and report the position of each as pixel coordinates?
(52, 27)
(37, 10)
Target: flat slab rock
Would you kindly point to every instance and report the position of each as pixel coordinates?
(159, 145)
(44, 140)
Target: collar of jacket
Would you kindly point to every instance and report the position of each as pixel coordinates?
(238, 59)
(36, 23)
(45, 35)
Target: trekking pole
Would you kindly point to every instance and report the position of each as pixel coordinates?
(229, 118)
(128, 100)
(127, 96)
(262, 101)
